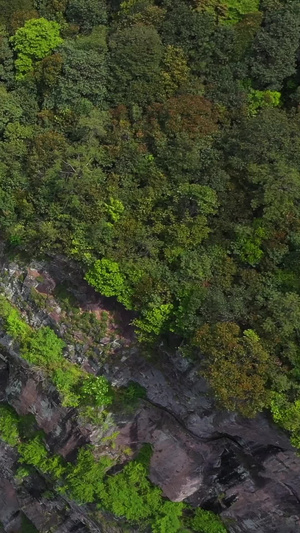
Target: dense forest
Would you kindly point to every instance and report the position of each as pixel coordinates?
(157, 144)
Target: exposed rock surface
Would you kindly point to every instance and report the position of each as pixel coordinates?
(245, 469)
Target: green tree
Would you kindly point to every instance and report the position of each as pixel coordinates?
(132, 80)
(96, 390)
(236, 9)
(10, 109)
(82, 77)
(261, 99)
(237, 366)
(274, 50)
(87, 13)
(154, 321)
(34, 41)
(6, 58)
(7, 9)
(106, 277)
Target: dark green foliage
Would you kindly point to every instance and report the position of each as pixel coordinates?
(274, 50)
(135, 55)
(133, 392)
(6, 59)
(87, 13)
(83, 73)
(7, 9)
(191, 30)
(27, 526)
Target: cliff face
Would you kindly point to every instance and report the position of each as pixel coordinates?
(244, 469)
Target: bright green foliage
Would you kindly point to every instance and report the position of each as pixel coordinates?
(248, 245)
(44, 346)
(261, 99)
(287, 415)
(114, 209)
(131, 495)
(96, 390)
(84, 482)
(66, 380)
(154, 320)
(127, 494)
(16, 327)
(207, 522)
(106, 277)
(34, 41)
(236, 9)
(5, 307)
(9, 430)
(169, 520)
(34, 453)
(23, 472)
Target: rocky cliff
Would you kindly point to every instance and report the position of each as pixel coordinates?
(246, 470)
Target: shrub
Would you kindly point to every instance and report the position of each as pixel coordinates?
(15, 325)
(169, 519)
(287, 415)
(44, 347)
(34, 453)
(96, 390)
(84, 481)
(9, 430)
(66, 380)
(130, 494)
(207, 522)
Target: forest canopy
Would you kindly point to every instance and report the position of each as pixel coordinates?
(157, 143)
